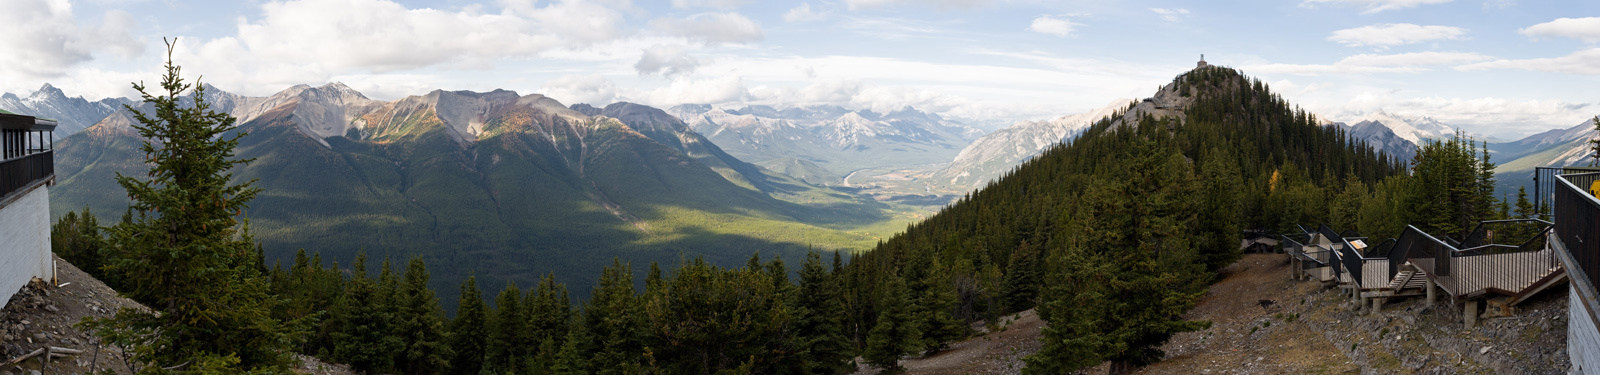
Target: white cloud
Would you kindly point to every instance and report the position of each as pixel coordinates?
(573, 89)
(667, 60)
(1375, 6)
(311, 40)
(42, 39)
(724, 89)
(712, 28)
(803, 13)
(1586, 29)
(1413, 59)
(941, 4)
(1171, 15)
(1585, 62)
(1394, 34)
(1368, 64)
(974, 91)
(718, 4)
(896, 29)
(1501, 117)
(1053, 26)
(390, 86)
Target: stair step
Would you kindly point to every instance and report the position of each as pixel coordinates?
(1401, 278)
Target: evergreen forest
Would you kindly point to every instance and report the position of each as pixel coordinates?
(1111, 237)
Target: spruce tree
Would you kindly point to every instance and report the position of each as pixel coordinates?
(549, 313)
(937, 302)
(614, 320)
(76, 238)
(896, 333)
(507, 339)
(469, 332)
(1524, 208)
(184, 254)
(1219, 210)
(362, 338)
(572, 358)
(421, 324)
(1021, 282)
(818, 318)
(1594, 144)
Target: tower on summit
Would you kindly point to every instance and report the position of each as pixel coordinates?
(1202, 62)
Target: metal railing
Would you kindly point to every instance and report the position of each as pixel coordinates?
(1487, 266)
(1505, 268)
(1545, 186)
(1381, 250)
(1577, 216)
(19, 172)
(1488, 232)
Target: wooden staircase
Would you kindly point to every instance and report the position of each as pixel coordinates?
(1401, 280)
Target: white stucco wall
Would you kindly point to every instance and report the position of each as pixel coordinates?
(25, 241)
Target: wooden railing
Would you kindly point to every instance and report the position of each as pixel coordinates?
(19, 172)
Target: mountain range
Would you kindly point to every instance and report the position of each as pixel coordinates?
(1000, 151)
(508, 186)
(830, 145)
(501, 185)
(72, 115)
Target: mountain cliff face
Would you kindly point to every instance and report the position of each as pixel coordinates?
(72, 115)
(1379, 136)
(824, 144)
(505, 186)
(1412, 128)
(998, 152)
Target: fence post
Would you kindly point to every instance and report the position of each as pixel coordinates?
(1431, 294)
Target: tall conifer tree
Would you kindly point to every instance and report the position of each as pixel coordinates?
(897, 332)
(184, 254)
(421, 324)
(818, 318)
(469, 332)
(508, 342)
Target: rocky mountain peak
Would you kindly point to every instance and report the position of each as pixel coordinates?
(48, 91)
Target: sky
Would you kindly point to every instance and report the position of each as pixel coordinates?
(1504, 68)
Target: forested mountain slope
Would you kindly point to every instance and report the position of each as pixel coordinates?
(1115, 233)
(498, 184)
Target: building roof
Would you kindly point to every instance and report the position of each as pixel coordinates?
(15, 121)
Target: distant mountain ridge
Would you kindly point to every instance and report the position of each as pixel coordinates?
(824, 144)
(72, 115)
(1000, 151)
